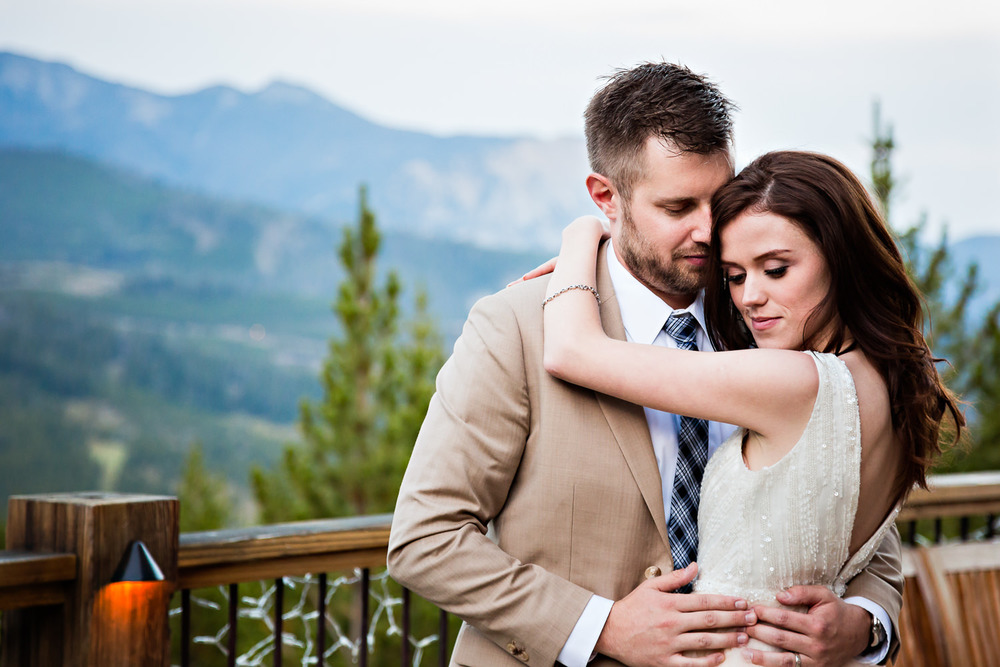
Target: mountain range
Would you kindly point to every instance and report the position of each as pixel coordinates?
(290, 149)
(286, 147)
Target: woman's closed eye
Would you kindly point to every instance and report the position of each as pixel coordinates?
(776, 272)
(735, 278)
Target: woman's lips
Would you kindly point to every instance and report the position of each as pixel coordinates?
(763, 323)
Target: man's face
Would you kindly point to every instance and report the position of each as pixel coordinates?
(661, 236)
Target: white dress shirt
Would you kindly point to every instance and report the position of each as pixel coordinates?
(643, 315)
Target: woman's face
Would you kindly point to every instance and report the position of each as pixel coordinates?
(776, 275)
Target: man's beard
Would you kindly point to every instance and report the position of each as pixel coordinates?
(671, 275)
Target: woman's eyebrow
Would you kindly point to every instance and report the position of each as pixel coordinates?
(770, 254)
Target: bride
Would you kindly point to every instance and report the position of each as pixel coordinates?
(840, 402)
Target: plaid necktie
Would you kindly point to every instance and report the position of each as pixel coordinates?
(692, 453)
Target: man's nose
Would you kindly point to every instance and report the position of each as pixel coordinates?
(701, 231)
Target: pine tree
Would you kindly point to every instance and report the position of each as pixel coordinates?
(205, 502)
(377, 382)
(971, 347)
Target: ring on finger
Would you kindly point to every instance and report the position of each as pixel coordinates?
(798, 660)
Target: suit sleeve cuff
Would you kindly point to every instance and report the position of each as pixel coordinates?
(579, 647)
(877, 654)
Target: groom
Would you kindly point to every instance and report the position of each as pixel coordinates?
(555, 521)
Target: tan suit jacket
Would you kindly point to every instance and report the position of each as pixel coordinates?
(567, 478)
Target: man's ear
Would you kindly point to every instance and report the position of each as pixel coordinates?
(604, 195)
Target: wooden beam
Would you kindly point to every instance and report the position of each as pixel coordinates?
(958, 488)
(33, 595)
(957, 558)
(291, 566)
(964, 494)
(35, 579)
(948, 510)
(302, 538)
(20, 568)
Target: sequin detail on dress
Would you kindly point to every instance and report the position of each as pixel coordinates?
(789, 523)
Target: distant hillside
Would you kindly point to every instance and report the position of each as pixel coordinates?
(136, 319)
(288, 147)
(57, 208)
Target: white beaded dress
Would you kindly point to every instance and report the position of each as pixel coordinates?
(789, 523)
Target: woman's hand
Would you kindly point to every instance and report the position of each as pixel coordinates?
(582, 226)
(585, 226)
(542, 269)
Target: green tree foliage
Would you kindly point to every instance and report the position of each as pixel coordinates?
(377, 381)
(42, 450)
(205, 502)
(969, 344)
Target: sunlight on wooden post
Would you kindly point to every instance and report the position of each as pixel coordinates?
(116, 613)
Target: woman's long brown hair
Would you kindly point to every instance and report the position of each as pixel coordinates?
(871, 299)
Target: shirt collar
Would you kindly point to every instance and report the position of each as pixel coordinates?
(643, 313)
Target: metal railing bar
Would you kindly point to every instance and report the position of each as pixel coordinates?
(231, 643)
(443, 639)
(321, 621)
(363, 648)
(406, 627)
(279, 610)
(185, 628)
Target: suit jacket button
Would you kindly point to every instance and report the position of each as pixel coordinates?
(653, 571)
(517, 651)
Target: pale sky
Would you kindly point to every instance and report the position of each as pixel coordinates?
(804, 74)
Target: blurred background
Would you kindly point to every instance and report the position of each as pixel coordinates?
(176, 179)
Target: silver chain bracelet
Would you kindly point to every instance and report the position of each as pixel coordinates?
(573, 287)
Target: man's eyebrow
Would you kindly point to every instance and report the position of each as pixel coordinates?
(673, 201)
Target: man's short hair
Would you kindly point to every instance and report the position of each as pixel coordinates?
(664, 100)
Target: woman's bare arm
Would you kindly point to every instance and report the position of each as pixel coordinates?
(769, 391)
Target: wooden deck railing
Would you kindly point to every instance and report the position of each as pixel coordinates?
(969, 500)
(31, 580)
(228, 557)
(223, 557)
(951, 606)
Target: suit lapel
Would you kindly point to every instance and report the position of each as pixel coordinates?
(628, 421)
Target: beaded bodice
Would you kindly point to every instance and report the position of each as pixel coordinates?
(789, 523)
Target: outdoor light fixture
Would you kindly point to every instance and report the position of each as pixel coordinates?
(130, 613)
(137, 565)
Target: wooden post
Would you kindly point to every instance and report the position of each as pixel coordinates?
(100, 624)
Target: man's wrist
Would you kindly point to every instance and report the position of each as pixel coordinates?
(580, 646)
(873, 654)
(860, 630)
(877, 638)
